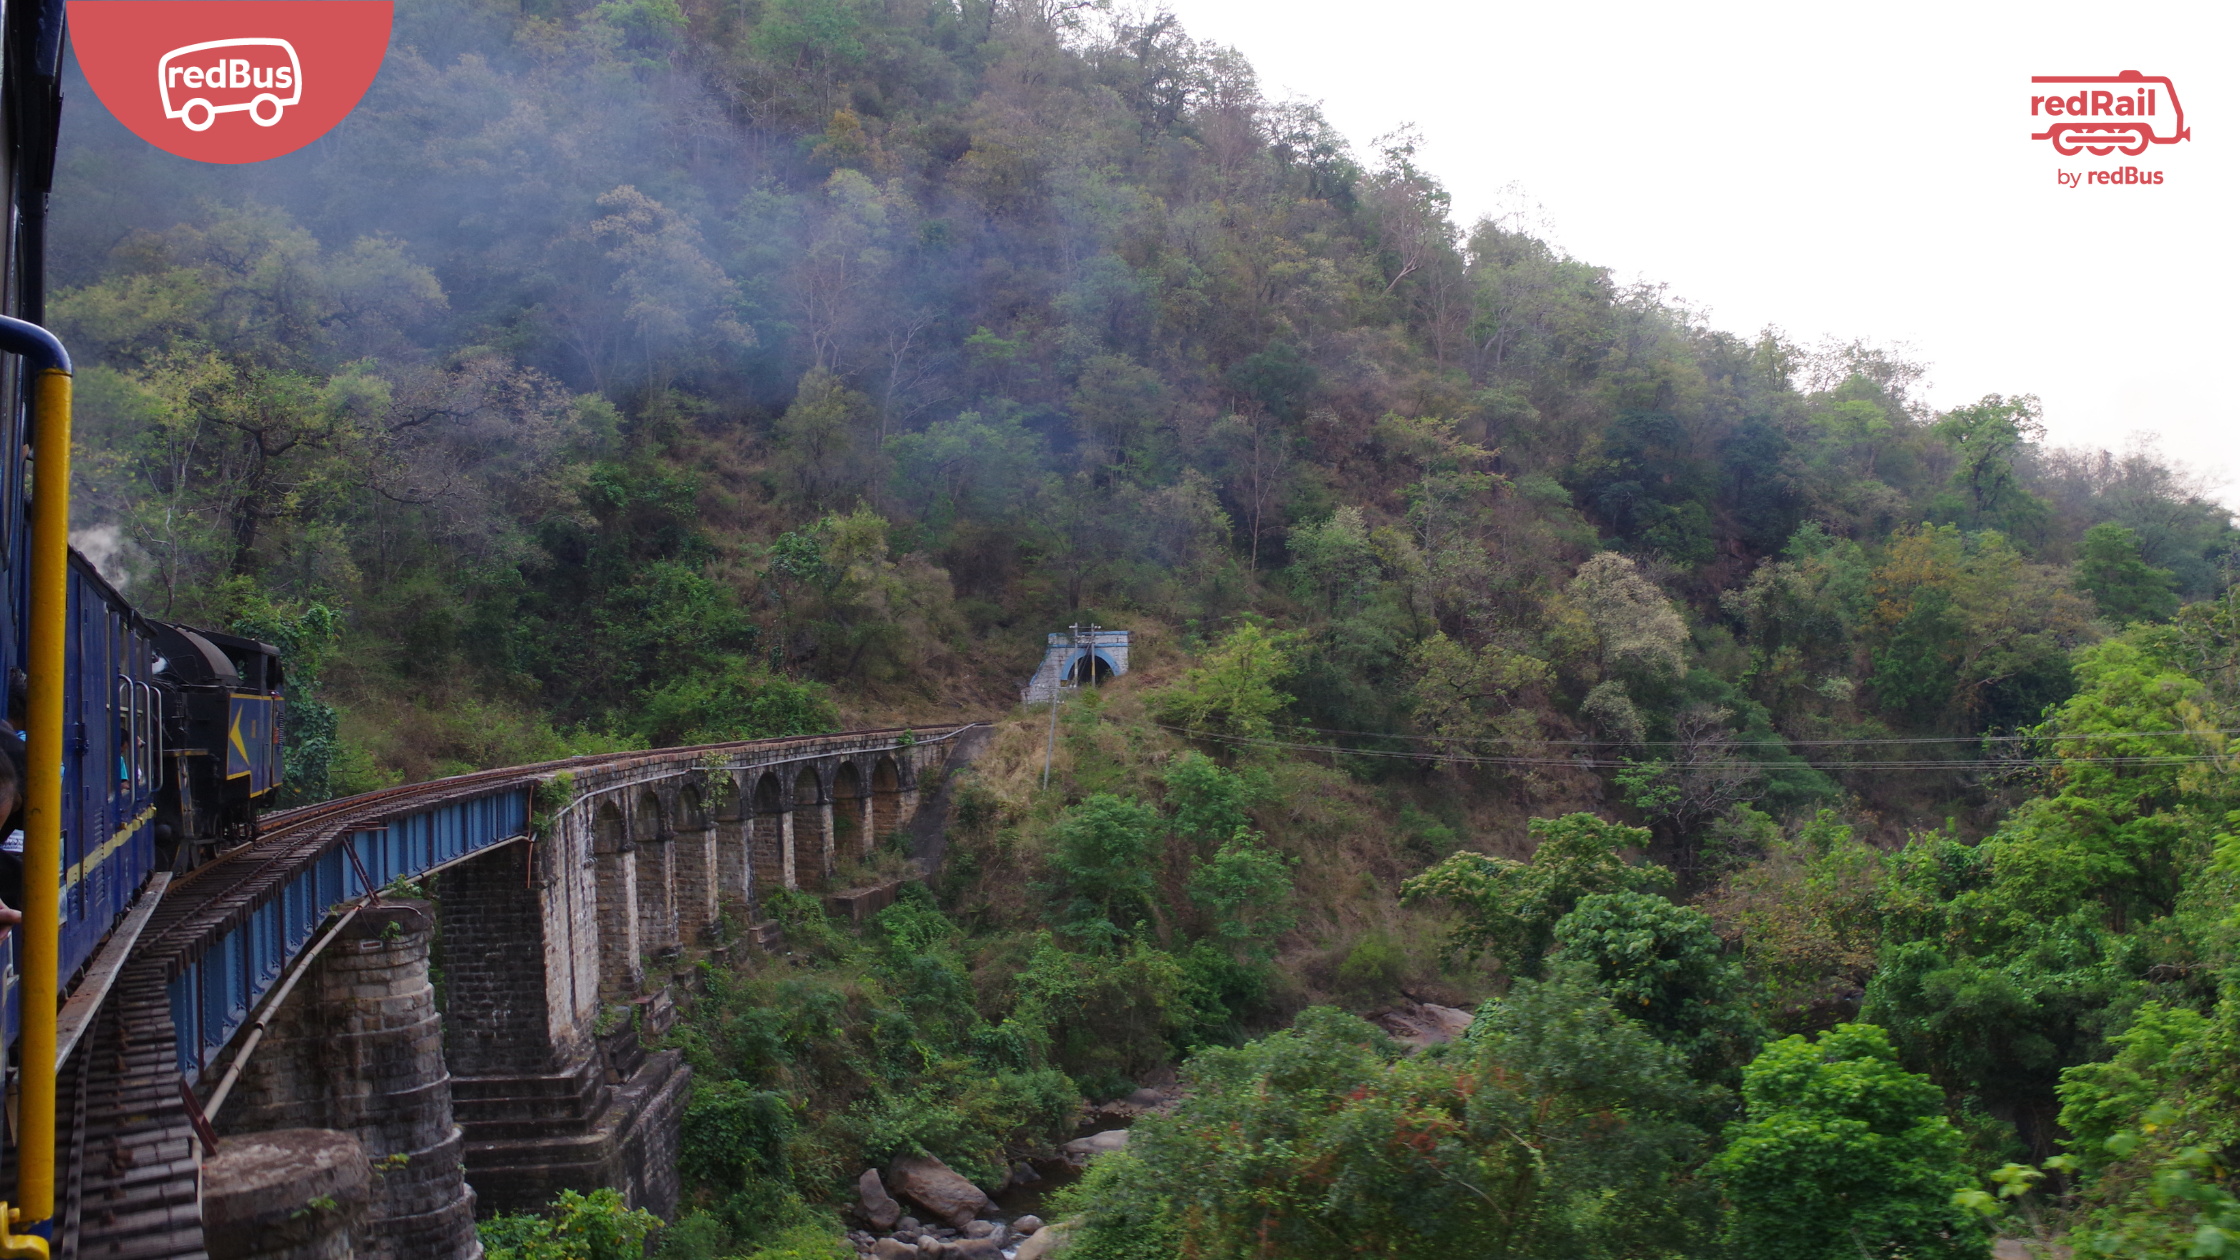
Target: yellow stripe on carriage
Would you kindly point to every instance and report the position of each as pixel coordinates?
(77, 869)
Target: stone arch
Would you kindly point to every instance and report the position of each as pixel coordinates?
(609, 834)
(886, 797)
(646, 821)
(657, 876)
(766, 849)
(615, 861)
(1090, 666)
(851, 814)
(692, 810)
(812, 837)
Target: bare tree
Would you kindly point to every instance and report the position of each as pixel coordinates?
(1260, 458)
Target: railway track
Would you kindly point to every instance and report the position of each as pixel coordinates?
(130, 1165)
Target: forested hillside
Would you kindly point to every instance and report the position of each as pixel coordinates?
(641, 374)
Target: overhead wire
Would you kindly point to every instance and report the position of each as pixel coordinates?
(1790, 743)
(1608, 763)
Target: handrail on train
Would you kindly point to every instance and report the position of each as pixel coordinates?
(40, 932)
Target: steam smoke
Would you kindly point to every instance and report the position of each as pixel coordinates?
(106, 547)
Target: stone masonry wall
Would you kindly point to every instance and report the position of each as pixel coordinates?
(362, 1053)
(497, 1017)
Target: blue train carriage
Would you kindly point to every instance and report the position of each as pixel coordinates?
(112, 740)
(223, 713)
(110, 772)
(112, 711)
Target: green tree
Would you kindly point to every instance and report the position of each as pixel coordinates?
(1474, 704)
(1208, 803)
(1101, 852)
(1988, 435)
(593, 1226)
(734, 699)
(2114, 571)
(825, 451)
(1511, 908)
(1323, 1141)
(1245, 889)
(1844, 1154)
(1234, 691)
(1965, 630)
(1664, 965)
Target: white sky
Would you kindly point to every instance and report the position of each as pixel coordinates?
(1847, 170)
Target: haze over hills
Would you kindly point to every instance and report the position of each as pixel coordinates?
(645, 374)
(1855, 177)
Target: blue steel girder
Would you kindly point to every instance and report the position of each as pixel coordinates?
(212, 996)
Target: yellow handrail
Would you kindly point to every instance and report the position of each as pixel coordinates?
(14, 1246)
(46, 634)
(42, 819)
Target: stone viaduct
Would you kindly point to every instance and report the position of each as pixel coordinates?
(563, 952)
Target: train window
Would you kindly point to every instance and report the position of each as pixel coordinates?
(151, 748)
(128, 729)
(137, 724)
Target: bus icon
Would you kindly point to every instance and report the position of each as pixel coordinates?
(2104, 113)
(262, 84)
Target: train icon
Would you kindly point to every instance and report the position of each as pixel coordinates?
(263, 83)
(2126, 112)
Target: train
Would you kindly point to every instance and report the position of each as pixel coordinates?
(148, 747)
(172, 743)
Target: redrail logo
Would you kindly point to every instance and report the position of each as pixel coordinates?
(272, 69)
(2103, 114)
(286, 71)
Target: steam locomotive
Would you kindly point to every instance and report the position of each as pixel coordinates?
(220, 700)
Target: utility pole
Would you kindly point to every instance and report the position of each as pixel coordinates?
(1091, 659)
(1050, 751)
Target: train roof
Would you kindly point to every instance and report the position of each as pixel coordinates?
(213, 656)
(91, 576)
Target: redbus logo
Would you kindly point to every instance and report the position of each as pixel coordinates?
(275, 68)
(171, 70)
(2104, 113)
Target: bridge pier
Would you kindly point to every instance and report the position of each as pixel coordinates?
(772, 851)
(657, 874)
(692, 854)
(364, 1054)
(552, 1092)
(294, 1194)
(811, 818)
(734, 859)
(886, 797)
(614, 860)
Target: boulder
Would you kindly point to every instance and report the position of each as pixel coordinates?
(1026, 1225)
(974, 1248)
(879, 1207)
(980, 1229)
(1043, 1245)
(908, 1225)
(1023, 1174)
(931, 1184)
(889, 1249)
(1420, 1024)
(1080, 1151)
